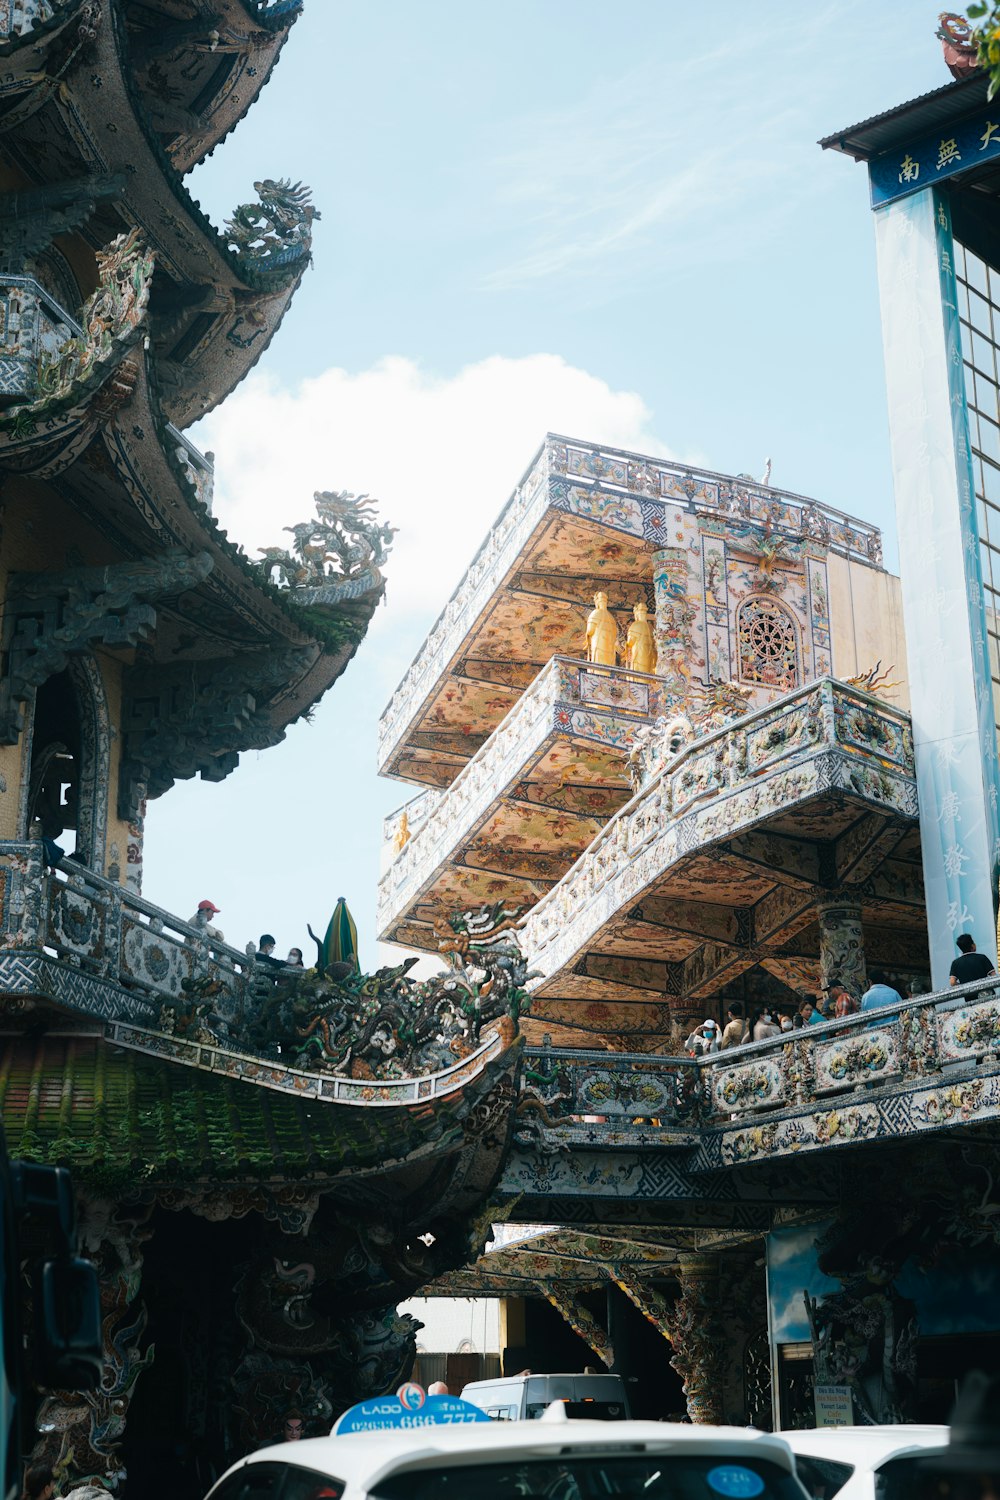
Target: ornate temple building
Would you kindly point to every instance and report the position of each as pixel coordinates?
(267, 1161)
(665, 714)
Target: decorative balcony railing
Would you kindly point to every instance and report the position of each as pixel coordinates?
(83, 940)
(601, 704)
(642, 482)
(822, 736)
(417, 810)
(35, 329)
(923, 1064)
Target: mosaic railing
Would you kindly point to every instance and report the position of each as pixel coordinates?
(417, 810)
(601, 704)
(823, 737)
(99, 929)
(641, 482)
(20, 17)
(887, 1048)
(941, 1051)
(33, 329)
(564, 1086)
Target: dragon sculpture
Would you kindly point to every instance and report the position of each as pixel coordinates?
(277, 231)
(386, 1025)
(346, 540)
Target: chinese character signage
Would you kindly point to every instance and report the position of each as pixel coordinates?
(909, 169)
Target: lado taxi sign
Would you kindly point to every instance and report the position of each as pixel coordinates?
(410, 1407)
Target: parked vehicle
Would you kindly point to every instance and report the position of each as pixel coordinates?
(863, 1463)
(516, 1398)
(560, 1460)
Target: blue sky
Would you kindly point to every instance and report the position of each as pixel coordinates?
(606, 221)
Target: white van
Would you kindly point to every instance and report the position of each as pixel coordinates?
(518, 1398)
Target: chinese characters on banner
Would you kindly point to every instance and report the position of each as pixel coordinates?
(909, 169)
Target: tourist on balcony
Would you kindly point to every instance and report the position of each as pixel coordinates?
(841, 1001)
(735, 1032)
(763, 1025)
(704, 1038)
(200, 920)
(294, 959)
(265, 952)
(879, 993)
(970, 963)
(810, 1013)
(786, 1022)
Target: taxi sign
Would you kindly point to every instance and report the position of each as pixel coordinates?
(410, 1407)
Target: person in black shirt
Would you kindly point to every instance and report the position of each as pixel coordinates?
(969, 964)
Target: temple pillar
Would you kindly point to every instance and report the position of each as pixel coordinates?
(674, 618)
(842, 945)
(694, 1330)
(582, 1322)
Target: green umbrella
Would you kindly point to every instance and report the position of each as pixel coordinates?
(340, 945)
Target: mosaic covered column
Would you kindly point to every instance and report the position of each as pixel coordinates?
(582, 1322)
(694, 1329)
(674, 618)
(842, 945)
(954, 734)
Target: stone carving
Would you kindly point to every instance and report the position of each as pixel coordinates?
(51, 616)
(112, 313)
(693, 1329)
(385, 1025)
(31, 219)
(276, 232)
(194, 718)
(865, 1335)
(345, 541)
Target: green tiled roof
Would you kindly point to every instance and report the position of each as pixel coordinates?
(120, 1119)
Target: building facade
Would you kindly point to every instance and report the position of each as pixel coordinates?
(722, 808)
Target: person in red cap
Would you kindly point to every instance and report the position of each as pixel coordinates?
(207, 909)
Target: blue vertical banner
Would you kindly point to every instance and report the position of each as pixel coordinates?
(954, 733)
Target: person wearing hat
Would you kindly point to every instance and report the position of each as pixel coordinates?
(207, 909)
(840, 1001)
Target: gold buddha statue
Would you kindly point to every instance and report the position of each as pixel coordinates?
(640, 644)
(602, 633)
(402, 832)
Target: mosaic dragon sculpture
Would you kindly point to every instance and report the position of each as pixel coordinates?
(345, 540)
(277, 231)
(382, 1025)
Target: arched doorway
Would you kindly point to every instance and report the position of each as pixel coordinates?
(69, 765)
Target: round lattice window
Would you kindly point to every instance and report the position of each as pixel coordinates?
(767, 644)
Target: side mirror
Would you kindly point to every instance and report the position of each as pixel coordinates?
(68, 1340)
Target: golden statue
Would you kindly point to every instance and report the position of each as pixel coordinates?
(602, 633)
(640, 647)
(402, 832)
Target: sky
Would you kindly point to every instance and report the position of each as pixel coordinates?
(612, 222)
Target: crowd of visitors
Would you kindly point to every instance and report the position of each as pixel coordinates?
(834, 1003)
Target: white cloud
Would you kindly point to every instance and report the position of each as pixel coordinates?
(441, 454)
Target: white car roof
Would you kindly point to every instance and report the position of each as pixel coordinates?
(366, 1458)
(869, 1446)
